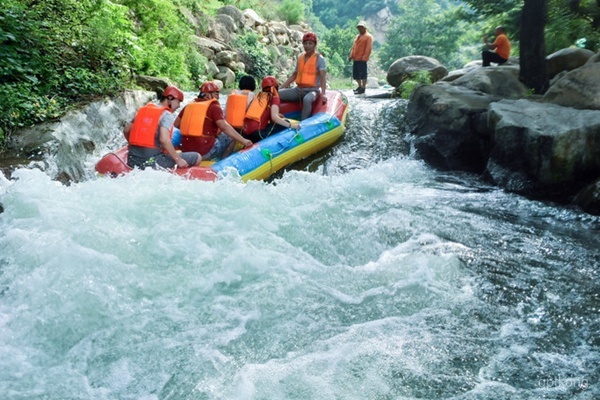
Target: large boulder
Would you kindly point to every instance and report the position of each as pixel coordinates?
(235, 14)
(579, 88)
(501, 81)
(449, 126)
(405, 67)
(566, 60)
(157, 85)
(594, 59)
(251, 18)
(543, 149)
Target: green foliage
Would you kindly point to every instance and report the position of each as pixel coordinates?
(259, 62)
(58, 52)
(335, 45)
(422, 28)
(409, 85)
(292, 11)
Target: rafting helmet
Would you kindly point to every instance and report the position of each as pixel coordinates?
(209, 87)
(173, 91)
(269, 81)
(309, 36)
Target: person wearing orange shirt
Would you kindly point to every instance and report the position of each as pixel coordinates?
(498, 51)
(359, 54)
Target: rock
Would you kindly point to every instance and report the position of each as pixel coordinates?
(588, 199)
(235, 14)
(579, 88)
(542, 149)
(501, 81)
(567, 59)
(252, 19)
(449, 126)
(157, 85)
(403, 68)
(372, 83)
(226, 75)
(594, 59)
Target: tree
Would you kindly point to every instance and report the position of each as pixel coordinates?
(422, 28)
(533, 70)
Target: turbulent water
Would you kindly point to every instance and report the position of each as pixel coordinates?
(359, 274)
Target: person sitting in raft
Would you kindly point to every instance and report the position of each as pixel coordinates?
(239, 100)
(204, 128)
(262, 118)
(149, 135)
(309, 75)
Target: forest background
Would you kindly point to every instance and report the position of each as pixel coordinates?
(56, 54)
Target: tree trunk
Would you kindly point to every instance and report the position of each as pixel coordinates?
(534, 73)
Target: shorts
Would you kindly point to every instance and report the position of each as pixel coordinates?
(221, 143)
(162, 160)
(359, 70)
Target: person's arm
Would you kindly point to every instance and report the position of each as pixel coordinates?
(275, 117)
(165, 139)
(369, 47)
(323, 75)
(491, 46)
(232, 133)
(289, 80)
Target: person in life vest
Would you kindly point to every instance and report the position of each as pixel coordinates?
(498, 51)
(309, 75)
(262, 117)
(149, 135)
(239, 100)
(204, 128)
(359, 55)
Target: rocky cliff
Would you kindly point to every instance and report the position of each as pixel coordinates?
(483, 120)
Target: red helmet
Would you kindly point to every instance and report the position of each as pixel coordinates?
(309, 36)
(174, 92)
(269, 81)
(208, 87)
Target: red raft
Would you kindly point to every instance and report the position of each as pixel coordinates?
(322, 129)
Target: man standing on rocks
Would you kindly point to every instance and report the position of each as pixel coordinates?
(499, 51)
(360, 53)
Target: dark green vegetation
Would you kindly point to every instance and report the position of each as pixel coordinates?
(56, 53)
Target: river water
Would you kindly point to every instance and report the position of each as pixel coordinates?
(360, 274)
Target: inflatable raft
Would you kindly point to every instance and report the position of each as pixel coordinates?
(322, 129)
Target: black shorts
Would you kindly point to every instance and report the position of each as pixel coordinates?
(359, 70)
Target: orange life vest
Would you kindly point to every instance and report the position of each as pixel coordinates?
(307, 70)
(145, 125)
(236, 108)
(192, 122)
(258, 106)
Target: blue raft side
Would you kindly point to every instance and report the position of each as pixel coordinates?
(246, 161)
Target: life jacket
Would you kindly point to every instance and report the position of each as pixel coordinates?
(307, 70)
(236, 108)
(192, 122)
(258, 106)
(145, 125)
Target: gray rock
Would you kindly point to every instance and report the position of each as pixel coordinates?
(449, 126)
(567, 59)
(403, 68)
(579, 88)
(543, 149)
(502, 81)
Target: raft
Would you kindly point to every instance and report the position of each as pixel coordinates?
(322, 129)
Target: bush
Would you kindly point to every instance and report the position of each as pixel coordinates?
(409, 85)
